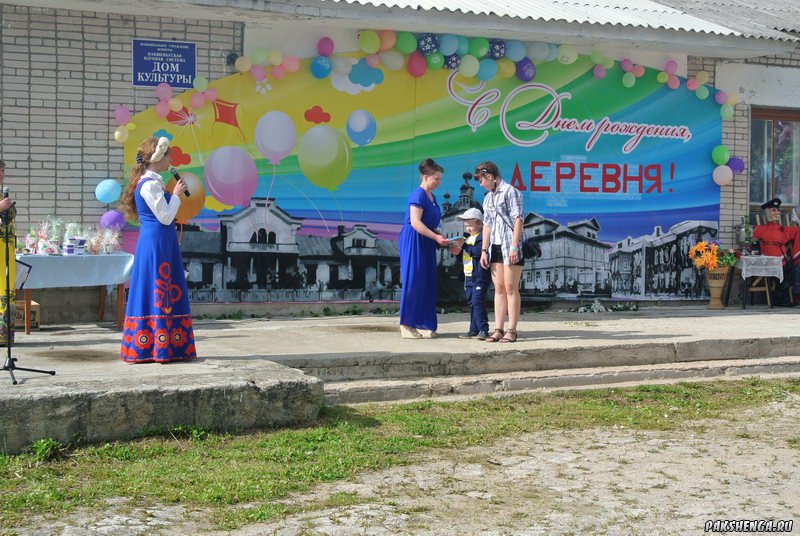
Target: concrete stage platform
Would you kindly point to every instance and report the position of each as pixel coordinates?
(258, 373)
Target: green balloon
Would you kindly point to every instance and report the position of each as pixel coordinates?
(479, 47)
(200, 83)
(597, 57)
(406, 42)
(726, 111)
(325, 157)
(662, 77)
(608, 62)
(701, 92)
(720, 155)
(628, 80)
(463, 45)
(258, 56)
(369, 42)
(435, 60)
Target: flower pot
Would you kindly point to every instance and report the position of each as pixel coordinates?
(716, 282)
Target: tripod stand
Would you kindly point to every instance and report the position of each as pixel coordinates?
(11, 362)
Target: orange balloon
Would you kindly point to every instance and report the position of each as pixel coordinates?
(192, 205)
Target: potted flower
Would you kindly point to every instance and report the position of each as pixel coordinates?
(717, 264)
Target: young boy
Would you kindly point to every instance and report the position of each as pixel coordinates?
(476, 278)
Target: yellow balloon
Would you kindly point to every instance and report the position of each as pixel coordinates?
(243, 64)
(121, 134)
(702, 77)
(506, 68)
(733, 99)
(175, 104)
(131, 126)
(274, 57)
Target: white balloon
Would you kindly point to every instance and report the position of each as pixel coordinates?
(275, 136)
(392, 60)
(723, 175)
(538, 51)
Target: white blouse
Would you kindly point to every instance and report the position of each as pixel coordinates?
(153, 194)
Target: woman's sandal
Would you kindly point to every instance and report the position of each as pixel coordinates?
(511, 336)
(496, 336)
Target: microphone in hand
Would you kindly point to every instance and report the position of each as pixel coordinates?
(178, 178)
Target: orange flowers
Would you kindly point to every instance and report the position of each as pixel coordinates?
(707, 255)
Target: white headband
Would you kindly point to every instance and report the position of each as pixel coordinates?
(161, 149)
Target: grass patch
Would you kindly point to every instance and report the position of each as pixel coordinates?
(200, 469)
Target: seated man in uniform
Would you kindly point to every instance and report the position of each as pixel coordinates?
(776, 240)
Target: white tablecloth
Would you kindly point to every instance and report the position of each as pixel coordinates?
(57, 271)
(761, 265)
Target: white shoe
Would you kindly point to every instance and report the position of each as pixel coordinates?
(409, 333)
(427, 334)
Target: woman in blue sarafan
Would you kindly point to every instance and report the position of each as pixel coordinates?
(418, 241)
(158, 321)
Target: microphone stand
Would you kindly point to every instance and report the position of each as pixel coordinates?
(11, 362)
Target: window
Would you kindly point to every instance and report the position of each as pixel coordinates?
(359, 242)
(775, 156)
(208, 273)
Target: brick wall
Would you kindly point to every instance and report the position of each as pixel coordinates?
(63, 73)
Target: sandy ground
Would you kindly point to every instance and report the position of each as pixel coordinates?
(597, 481)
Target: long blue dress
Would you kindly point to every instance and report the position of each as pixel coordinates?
(158, 321)
(418, 265)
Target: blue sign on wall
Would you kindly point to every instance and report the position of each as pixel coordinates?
(173, 62)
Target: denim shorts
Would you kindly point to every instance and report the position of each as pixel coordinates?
(497, 256)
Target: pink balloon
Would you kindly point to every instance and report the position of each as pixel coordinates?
(123, 116)
(626, 65)
(373, 60)
(673, 82)
(278, 71)
(231, 176)
(210, 94)
(291, 64)
(720, 97)
(670, 67)
(416, 64)
(258, 72)
(163, 91)
(325, 46)
(599, 71)
(197, 100)
(691, 85)
(162, 108)
(638, 71)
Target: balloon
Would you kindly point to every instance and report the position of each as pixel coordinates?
(416, 64)
(720, 155)
(291, 64)
(243, 64)
(277, 72)
(361, 127)
(434, 61)
(638, 71)
(428, 44)
(538, 51)
(726, 112)
(113, 219)
(274, 57)
(163, 91)
(733, 99)
(192, 205)
(342, 65)
(479, 47)
(628, 80)
(197, 100)
(373, 60)
(723, 175)
(210, 94)
(275, 135)
(691, 84)
(406, 42)
(392, 60)
(200, 83)
(671, 66)
(608, 62)
(599, 71)
(369, 42)
(321, 67)
(673, 82)
(175, 104)
(469, 66)
(324, 156)
(720, 97)
(515, 50)
(662, 77)
(701, 92)
(552, 52)
(505, 67)
(567, 54)
(497, 49)
(596, 57)
(258, 56)
(626, 65)
(325, 46)
(526, 70)
(107, 191)
(736, 164)
(231, 176)
(121, 134)
(162, 108)
(487, 69)
(452, 62)
(702, 77)
(448, 44)
(258, 72)
(463, 46)
(388, 39)
(122, 115)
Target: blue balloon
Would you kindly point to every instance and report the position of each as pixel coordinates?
(321, 67)
(552, 52)
(108, 191)
(515, 50)
(526, 70)
(497, 48)
(448, 44)
(428, 44)
(463, 45)
(452, 62)
(487, 69)
(361, 127)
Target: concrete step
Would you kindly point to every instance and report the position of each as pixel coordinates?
(353, 392)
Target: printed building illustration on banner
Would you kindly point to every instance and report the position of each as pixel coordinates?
(303, 167)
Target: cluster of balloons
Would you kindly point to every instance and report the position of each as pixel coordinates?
(108, 191)
(262, 59)
(727, 165)
(726, 102)
(122, 115)
(668, 76)
(167, 103)
(602, 64)
(697, 84)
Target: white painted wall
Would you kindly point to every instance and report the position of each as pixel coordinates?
(761, 85)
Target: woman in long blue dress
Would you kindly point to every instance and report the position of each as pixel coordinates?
(158, 321)
(418, 242)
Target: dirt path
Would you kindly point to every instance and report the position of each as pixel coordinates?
(600, 481)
